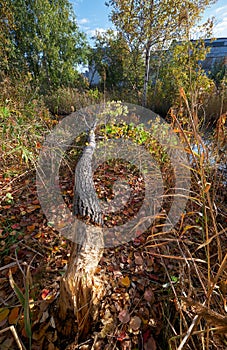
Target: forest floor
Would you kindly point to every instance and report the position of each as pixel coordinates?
(155, 285)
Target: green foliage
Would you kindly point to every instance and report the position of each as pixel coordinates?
(23, 122)
(186, 69)
(7, 49)
(148, 26)
(46, 40)
(107, 58)
(119, 67)
(115, 109)
(139, 135)
(180, 68)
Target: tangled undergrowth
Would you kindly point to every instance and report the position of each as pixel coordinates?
(163, 290)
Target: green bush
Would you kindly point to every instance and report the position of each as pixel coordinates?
(24, 120)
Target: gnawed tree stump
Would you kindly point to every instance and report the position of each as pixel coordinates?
(80, 289)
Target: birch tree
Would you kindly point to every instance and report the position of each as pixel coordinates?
(150, 25)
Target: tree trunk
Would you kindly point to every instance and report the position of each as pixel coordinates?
(148, 55)
(80, 289)
(146, 74)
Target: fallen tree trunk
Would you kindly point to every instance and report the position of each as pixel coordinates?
(80, 289)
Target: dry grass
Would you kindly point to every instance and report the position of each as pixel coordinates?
(199, 248)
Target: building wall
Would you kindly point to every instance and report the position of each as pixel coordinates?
(217, 54)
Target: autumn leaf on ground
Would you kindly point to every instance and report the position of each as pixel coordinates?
(13, 316)
(15, 226)
(125, 281)
(138, 258)
(45, 293)
(149, 295)
(31, 228)
(135, 324)
(3, 313)
(124, 316)
(122, 335)
(31, 208)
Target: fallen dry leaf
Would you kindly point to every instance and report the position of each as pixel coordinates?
(13, 316)
(149, 295)
(125, 281)
(124, 316)
(45, 293)
(3, 313)
(138, 259)
(135, 324)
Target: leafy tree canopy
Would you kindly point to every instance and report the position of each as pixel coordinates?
(46, 40)
(113, 60)
(149, 25)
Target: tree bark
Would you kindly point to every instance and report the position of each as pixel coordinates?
(146, 75)
(80, 289)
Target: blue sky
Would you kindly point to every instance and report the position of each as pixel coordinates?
(92, 16)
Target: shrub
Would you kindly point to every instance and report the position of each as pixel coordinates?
(63, 101)
(23, 122)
